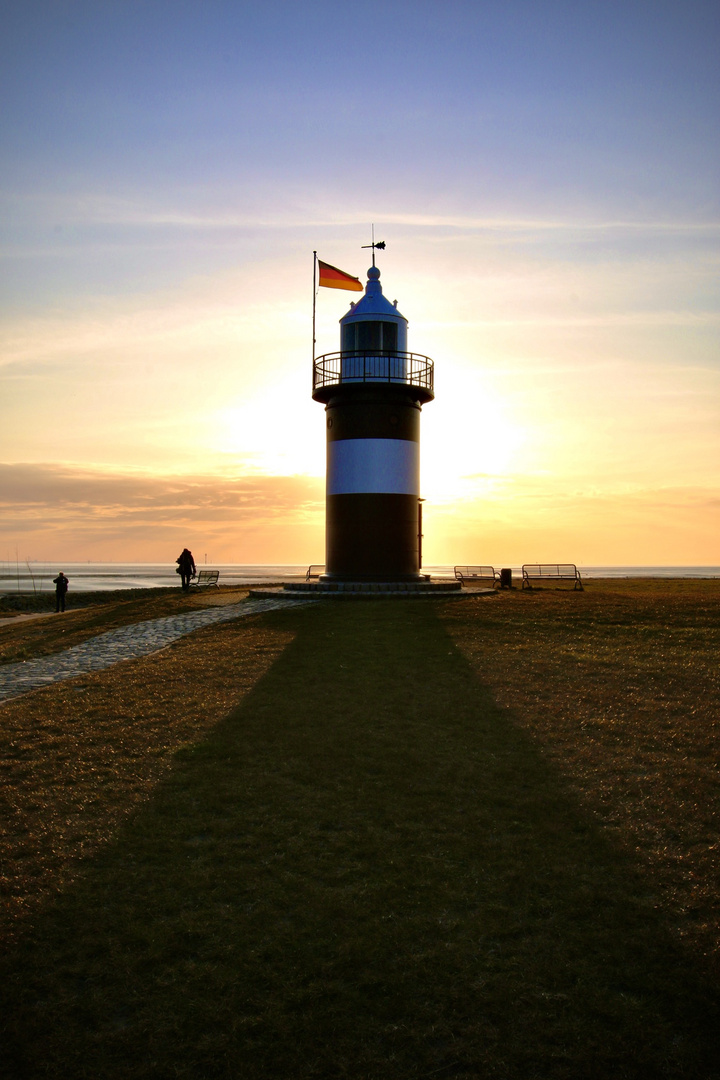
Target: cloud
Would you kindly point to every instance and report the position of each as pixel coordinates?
(73, 512)
(28, 487)
(299, 208)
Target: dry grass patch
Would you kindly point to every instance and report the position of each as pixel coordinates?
(369, 869)
(77, 758)
(620, 687)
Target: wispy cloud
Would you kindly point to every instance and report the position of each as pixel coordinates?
(268, 210)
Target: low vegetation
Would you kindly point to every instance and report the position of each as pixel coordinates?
(375, 840)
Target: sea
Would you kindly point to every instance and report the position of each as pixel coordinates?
(35, 577)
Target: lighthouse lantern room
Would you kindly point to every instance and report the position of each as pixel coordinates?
(373, 391)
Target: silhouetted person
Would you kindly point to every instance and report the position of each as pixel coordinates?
(61, 587)
(186, 568)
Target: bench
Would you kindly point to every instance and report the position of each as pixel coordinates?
(206, 578)
(551, 572)
(314, 572)
(487, 574)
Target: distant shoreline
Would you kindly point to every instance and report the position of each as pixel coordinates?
(35, 578)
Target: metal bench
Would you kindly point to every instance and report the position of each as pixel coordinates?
(206, 578)
(551, 572)
(314, 572)
(487, 574)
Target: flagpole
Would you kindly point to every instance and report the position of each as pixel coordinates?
(314, 296)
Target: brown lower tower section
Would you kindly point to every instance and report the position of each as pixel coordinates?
(371, 538)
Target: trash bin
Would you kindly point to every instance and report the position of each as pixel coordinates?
(506, 578)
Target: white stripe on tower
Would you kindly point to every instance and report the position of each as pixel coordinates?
(373, 467)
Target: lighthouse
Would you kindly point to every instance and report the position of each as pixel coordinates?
(373, 390)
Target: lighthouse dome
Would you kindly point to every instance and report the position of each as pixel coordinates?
(373, 322)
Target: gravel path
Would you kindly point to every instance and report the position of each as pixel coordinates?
(125, 643)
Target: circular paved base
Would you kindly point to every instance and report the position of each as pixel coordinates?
(371, 590)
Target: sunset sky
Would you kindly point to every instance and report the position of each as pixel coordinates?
(546, 178)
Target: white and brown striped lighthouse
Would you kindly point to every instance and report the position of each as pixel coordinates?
(373, 391)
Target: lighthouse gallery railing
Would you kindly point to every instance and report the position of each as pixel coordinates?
(411, 369)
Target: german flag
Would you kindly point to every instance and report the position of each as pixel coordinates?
(332, 278)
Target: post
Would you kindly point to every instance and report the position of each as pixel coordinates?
(314, 296)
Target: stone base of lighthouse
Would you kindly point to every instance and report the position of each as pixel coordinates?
(371, 590)
(375, 587)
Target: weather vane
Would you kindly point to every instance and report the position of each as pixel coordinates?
(380, 245)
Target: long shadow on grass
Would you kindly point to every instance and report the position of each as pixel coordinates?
(366, 871)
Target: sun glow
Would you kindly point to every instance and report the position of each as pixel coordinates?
(469, 448)
(278, 432)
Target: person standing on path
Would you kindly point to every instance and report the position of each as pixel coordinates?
(186, 568)
(61, 587)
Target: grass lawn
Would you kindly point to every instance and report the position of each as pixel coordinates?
(375, 840)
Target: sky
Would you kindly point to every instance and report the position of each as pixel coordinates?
(546, 178)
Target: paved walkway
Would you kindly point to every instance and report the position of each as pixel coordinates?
(125, 643)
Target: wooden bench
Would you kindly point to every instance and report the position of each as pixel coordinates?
(467, 574)
(206, 578)
(314, 572)
(551, 572)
